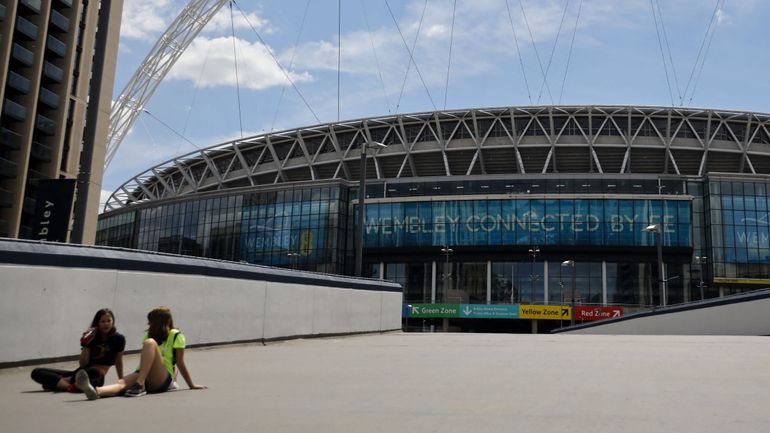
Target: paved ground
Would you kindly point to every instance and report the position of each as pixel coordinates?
(434, 383)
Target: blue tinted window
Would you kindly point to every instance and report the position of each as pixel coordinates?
(727, 202)
(425, 213)
(411, 224)
(728, 239)
(684, 212)
(739, 202)
(763, 233)
(727, 217)
(761, 203)
(749, 202)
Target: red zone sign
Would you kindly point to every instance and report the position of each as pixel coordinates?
(597, 313)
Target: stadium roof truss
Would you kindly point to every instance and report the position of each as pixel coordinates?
(493, 141)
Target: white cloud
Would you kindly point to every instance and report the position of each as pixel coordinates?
(146, 19)
(221, 23)
(209, 62)
(722, 17)
(103, 197)
(143, 19)
(437, 30)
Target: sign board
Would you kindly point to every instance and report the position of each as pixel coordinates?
(544, 312)
(491, 311)
(759, 282)
(597, 313)
(509, 311)
(426, 311)
(53, 209)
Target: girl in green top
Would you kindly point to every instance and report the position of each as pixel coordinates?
(162, 350)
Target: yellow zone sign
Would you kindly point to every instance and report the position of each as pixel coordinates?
(545, 312)
(757, 281)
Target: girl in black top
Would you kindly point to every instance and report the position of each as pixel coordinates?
(101, 347)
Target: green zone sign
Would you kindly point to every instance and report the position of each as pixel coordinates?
(487, 311)
(428, 311)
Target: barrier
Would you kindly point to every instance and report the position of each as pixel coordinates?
(739, 314)
(49, 293)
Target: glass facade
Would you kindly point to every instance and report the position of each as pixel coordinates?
(740, 228)
(304, 228)
(486, 236)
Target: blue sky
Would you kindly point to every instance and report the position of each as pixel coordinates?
(615, 59)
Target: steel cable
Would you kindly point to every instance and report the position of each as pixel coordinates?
(553, 51)
(376, 59)
(569, 56)
(411, 56)
(291, 63)
(451, 40)
(537, 54)
(237, 80)
(518, 51)
(662, 55)
(710, 29)
(270, 53)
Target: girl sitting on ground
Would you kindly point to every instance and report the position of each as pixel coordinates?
(162, 351)
(101, 346)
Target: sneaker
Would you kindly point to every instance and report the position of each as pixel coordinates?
(136, 390)
(82, 381)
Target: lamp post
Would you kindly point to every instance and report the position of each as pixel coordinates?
(513, 293)
(658, 230)
(406, 319)
(532, 277)
(700, 260)
(293, 257)
(361, 203)
(571, 263)
(447, 252)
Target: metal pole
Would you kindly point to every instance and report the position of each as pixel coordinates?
(700, 260)
(532, 277)
(361, 199)
(447, 278)
(572, 316)
(532, 281)
(661, 277)
(700, 285)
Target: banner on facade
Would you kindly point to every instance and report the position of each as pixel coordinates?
(53, 209)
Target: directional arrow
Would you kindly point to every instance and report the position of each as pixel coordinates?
(564, 312)
(415, 310)
(615, 313)
(467, 311)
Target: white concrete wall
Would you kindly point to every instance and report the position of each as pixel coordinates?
(741, 318)
(43, 310)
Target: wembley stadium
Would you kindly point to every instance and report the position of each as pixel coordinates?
(545, 205)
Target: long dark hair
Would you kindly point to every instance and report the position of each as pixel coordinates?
(160, 324)
(98, 316)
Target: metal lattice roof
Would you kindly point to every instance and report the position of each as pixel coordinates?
(506, 140)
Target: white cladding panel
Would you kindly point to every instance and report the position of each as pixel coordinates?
(43, 310)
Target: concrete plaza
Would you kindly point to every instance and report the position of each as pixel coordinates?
(433, 383)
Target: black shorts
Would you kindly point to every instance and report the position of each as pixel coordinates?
(162, 387)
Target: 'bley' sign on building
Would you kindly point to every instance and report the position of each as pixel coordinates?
(53, 209)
